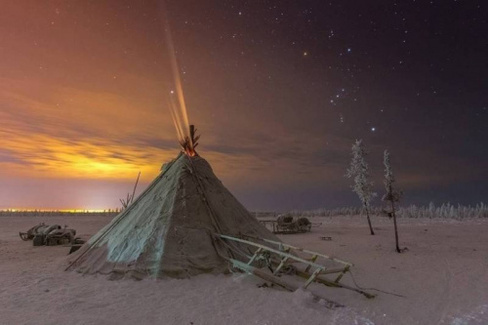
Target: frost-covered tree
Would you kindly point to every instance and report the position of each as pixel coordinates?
(359, 170)
(392, 195)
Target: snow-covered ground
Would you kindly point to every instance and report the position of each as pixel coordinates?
(443, 277)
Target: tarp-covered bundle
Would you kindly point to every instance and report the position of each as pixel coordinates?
(170, 228)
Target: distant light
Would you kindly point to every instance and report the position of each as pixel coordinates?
(373, 129)
(305, 53)
(349, 50)
(172, 92)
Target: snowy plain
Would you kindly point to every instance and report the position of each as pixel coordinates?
(442, 278)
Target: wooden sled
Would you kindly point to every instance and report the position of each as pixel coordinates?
(304, 263)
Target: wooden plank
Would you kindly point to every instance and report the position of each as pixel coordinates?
(301, 250)
(272, 250)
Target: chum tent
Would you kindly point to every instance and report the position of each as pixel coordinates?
(172, 228)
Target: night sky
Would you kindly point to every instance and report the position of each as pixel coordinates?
(279, 91)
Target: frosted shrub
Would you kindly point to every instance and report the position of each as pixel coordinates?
(359, 171)
(392, 195)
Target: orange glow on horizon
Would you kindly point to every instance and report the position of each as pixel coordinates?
(40, 155)
(77, 210)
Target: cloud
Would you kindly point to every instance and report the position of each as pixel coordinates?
(56, 132)
(59, 132)
(72, 112)
(41, 155)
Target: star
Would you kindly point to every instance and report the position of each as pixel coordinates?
(373, 129)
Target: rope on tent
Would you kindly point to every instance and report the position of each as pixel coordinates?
(124, 213)
(203, 196)
(206, 202)
(229, 247)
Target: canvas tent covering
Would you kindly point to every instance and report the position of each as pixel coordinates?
(170, 228)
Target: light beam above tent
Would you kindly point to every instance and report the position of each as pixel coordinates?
(176, 102)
